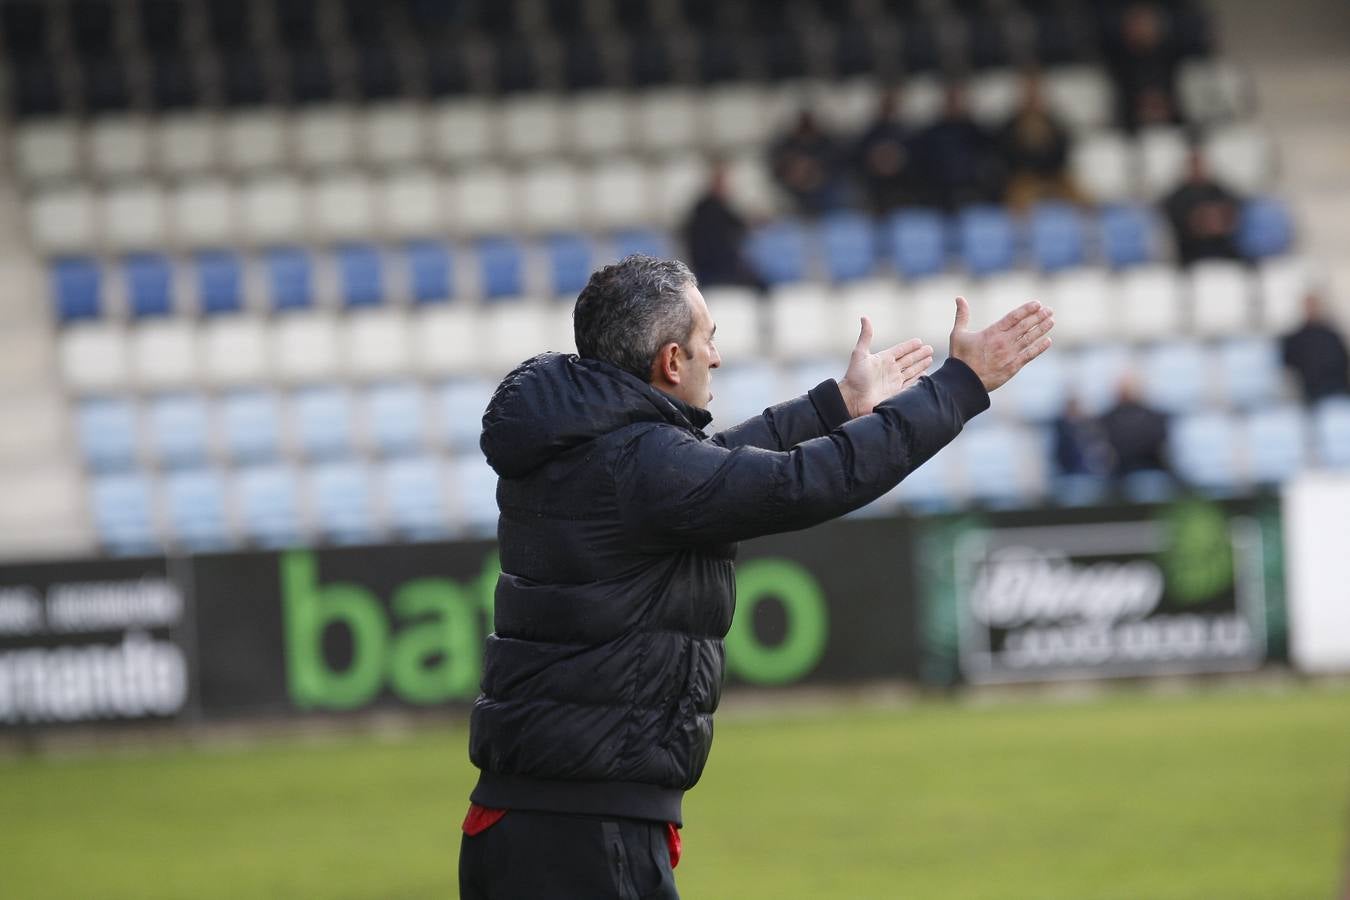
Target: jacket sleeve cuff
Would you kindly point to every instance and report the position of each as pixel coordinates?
(967, 391)
(829, 404)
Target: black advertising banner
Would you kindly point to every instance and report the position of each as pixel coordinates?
(93, 641)
(1190, 586)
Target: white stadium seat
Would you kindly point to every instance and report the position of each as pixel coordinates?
(531, 126)
(1213, 90)
(1241, 157)
(678, 181)
(751, 185)
(1080, 95)
(1103, 166)
(236, 350)
(377, 343)
(667, 119)
(255, 140)
(1084, 303)
(412, 204)
(324, 135)
(735, 116)
(94, 357)
(550, 197)
(305, 347)
(462, 130)
(617, 194)
(1151, 302)
(393, 133)
(599, 123)
(994, 96)
(165, 353)
(202, 213)
(445, 339)
(1221, 295)
(343, 206)
(1095, 373)
(134, 217)
(273, 210)
(484, 201)
(119, 146)
(849, 106)
(512, 332)
(63, 220)
(1161, 157)
(47, 149)
(186, 143)
(881, 300)
(739, 325)
(1284, 282)
(802, 322)
(933, 302)
(921, 102)
(994, 296)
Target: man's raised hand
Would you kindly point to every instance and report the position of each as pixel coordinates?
(999, 351)
(872, 377)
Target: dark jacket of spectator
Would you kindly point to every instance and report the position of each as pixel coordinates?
(1137, 435)
(1143, 57)
(955, 160)
(1204, 215)
(714, 235)
(808, 164)
(1080, 444)
(881, 160)
(1317, 355)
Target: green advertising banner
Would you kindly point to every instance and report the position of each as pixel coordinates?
(1191, 586)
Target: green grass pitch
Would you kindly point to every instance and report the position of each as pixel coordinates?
(1220, 794)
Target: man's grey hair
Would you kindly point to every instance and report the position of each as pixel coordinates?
(630, 310)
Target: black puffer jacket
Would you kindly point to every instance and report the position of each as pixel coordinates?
(619, 519)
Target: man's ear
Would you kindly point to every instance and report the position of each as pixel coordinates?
(666, 367)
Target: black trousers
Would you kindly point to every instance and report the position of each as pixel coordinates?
(550, 856)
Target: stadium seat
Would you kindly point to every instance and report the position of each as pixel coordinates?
(1331, 432)
(396, 418)
(780, 252)
(164, 353)
(1176, 376)
(343, 502)
(484, 201)
(735, 116)
(513, 331)
(877, 298)
(1249, 372)
(268, 500)
(1213, 91)
(1085, 303)
(741, 390)
(615, 194)
(987, 239)
(195, 510)
(531, 126)
(933, 308)
(1276, 439)
(1040, 392)
(324, 135)
(202, 212)
(1127, 235)
(501, 264)
(550, 197)
(1080, 95)
(1204, 451)
(1095, 374)
(414, 496)
(250, 425)
(107, 434)
(1102, 165)
(931, 488)
(677, 181)
(991, 298)
(94, 357)
(917, 242)
(344, 207)
(1150, 301)
(377, 343)
(474, 485)
(305, 347)
(76, 285)
(411, 204)
(1001, 464)
(236, 350)
(462, 130)
(598, 123)
(254, 140)
(180, 429)
(323, 421)
(119, 147)
(1161, 158)
(1221, 298)
(273, 210)
(186, 143)
(219, 282)
(47, 150)
(460, 404)
(445, 340)
(570, 258)
(1056, 237)
(63, 220)
(1241, 157)
(290, 278)
(123, 510)
(134, 217)
(431, 275)
(642, 240)
(994, 97)
(751, 186)
(739, 328)
(1284, 285)
(149, 285)
(666, 119)
(850, 245)
(1265, 228)
(360, 274)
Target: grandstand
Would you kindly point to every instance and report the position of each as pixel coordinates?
(266, 261)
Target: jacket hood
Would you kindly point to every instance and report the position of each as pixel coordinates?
(555, 402)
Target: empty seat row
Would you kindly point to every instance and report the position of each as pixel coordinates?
(352, 275)
(1110, 167)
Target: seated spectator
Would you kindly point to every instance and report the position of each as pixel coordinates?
(1316, 353)
(954, 159)
(1136, 433)
(806, 162)
(881, 158)
(1035, 150)
(1143, 57)
(1204, 215)
(1080, 443)
(714, 236)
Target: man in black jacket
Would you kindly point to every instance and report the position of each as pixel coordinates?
(618, 530)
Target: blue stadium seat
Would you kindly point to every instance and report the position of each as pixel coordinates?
(742, 391)
(322, 419)
(123, 513)
(1265, 228)
(1039, 392)
(76, 284)
(1203, 449)
(179, 428)
(107, 434)
(1250, 371)
(994, 457)
(780, 252)
(1331, 432)
(290, 278)
(917, 240)
(1127, 235)
(1056, 234)
(929, 488)
(460, 404)
(1277, 443)
(987, 239)
(149, 284)
(1079, 489)
(414, 492)
(361, 272)
(194, 503)
(220, 278)
(1175, 376)
(431, 273)
(569, 261)
(1095, 374)
(268, 500)
(850, 245)
(642, 240)
(475, 487)
(343, 502)
(501, 262)
(395, 417)
(250, 426)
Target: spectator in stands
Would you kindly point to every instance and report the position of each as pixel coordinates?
(1080, 443)
(1035, 148)
(1142, 56)
(954, 159)
(1204, 214)
(1316, 353)
(1135, 432)
(881, 159)
(714, 236)
(807, 163)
